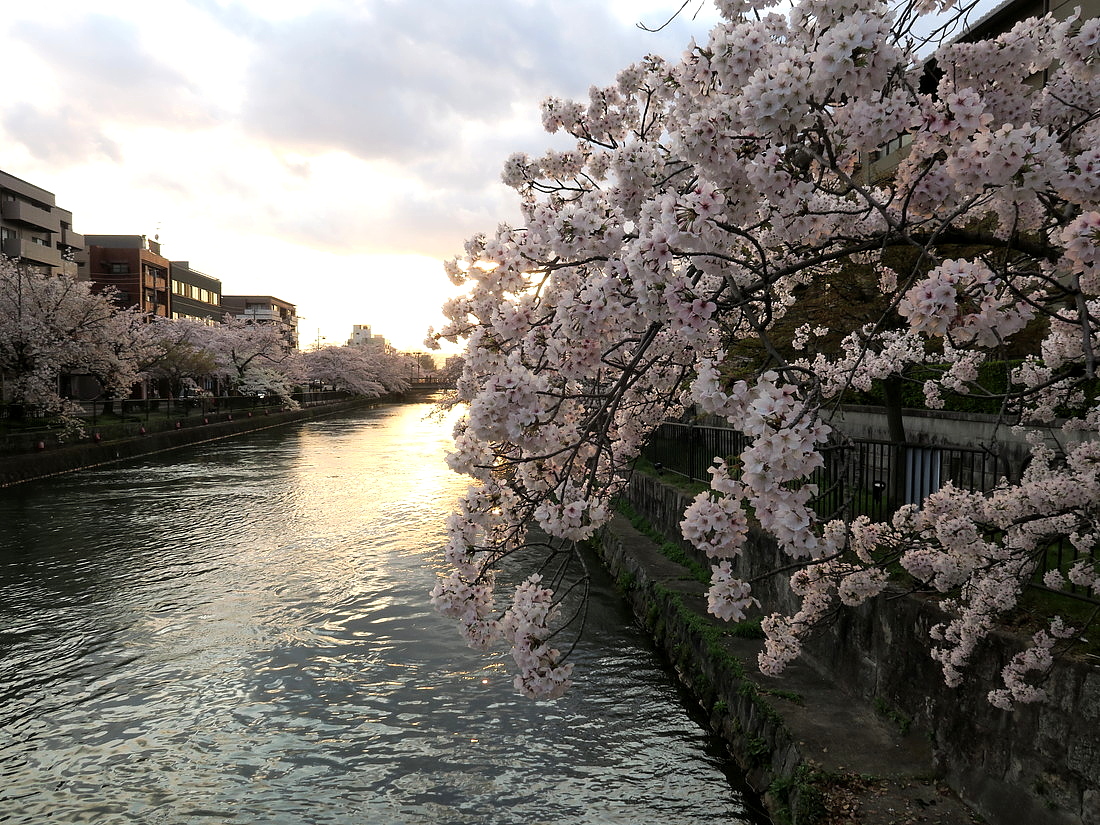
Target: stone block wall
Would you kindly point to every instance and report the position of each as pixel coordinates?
(1038, 764)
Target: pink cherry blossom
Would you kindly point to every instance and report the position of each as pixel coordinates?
(664, 254)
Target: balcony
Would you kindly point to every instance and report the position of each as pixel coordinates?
(71, 239)
(25, 213)
(30, 251)
(261, 315)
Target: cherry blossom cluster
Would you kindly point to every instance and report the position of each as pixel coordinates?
(729, 597)
(361, 370)
(674, 258)
(1037, 659)
(542, 674)
(784, 450)
(53, 325)
(936, 306)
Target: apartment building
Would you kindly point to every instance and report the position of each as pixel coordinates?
(34, 229)
(265, 309)
(132, 264)
(195, 296)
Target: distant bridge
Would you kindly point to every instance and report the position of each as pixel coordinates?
(426, 385)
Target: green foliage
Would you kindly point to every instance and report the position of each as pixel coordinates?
(789, 695)
(993, 377)
(801, 796)
(903, 722)
(625, 581)
(1037, 606)
(666, 548)
(684, 485)
(748, 629)
(757, 750)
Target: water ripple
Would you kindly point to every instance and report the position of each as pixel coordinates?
(240, 632)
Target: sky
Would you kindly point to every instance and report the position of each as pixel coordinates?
(331, 153)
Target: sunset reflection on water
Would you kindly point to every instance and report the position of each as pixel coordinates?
(243, 630)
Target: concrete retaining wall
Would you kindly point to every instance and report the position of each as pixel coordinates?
(88, 453)
(945, 429)
(672, 609)
(1038, 764)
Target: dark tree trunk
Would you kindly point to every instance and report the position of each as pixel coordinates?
(895, 425)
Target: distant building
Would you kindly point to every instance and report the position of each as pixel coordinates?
(195, 296)
(265, 309)
(34, 229)
(361, 337)
(133, 265)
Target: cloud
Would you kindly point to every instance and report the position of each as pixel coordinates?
(403, 81)
(429, 224)
(104, 68)
(233, 16)
(274, 137)
(95, 76)
(64, 136)
(439, 94)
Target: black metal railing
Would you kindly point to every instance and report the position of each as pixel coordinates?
(861, 477)
(689, 450)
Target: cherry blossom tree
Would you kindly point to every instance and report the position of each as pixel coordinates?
(183, 352)
(128, 347)
(53, 325)
(356, 369)
(254, 357)
(701, 202)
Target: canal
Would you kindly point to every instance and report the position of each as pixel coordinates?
(240, 632)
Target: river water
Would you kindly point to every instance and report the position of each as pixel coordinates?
(240, 632)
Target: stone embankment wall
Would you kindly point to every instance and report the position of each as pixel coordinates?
(1038, 764)
(671, 607)
(87, 453)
